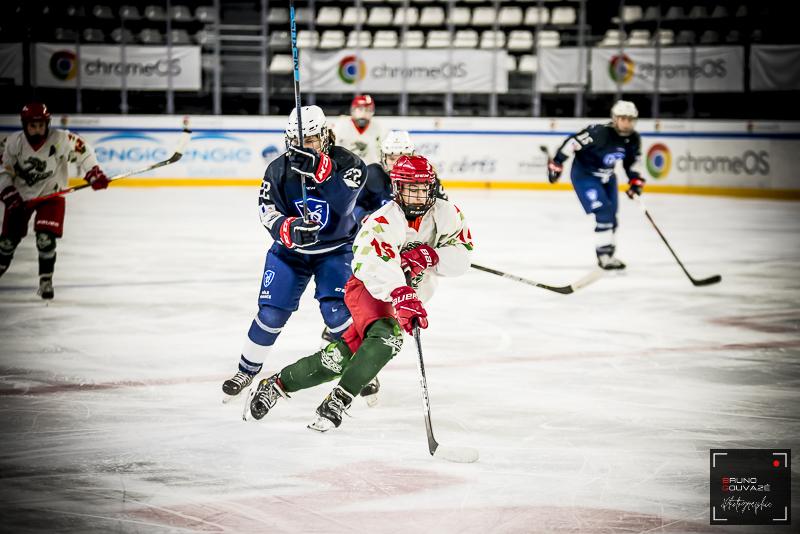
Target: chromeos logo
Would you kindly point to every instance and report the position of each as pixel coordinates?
(621, 68)
(64, 65)
(659, 160)
(352, 69)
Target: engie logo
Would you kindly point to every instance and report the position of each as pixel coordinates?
(129, 147)
(64, 65)
(209, 147)
(352, 69)
(621, 68)
(659, 160)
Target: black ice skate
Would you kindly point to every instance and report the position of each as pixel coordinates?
(263, 397)
(609, 263)
(326, 338)
(329, 413)
(46, 288)
(370, 392)
(235, 384)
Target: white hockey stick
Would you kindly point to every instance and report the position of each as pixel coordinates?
(584, 281)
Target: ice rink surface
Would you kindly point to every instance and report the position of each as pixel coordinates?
(592, 412)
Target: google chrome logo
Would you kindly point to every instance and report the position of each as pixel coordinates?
(621, 68)
(659, 160)
(64, 65)
(352, 69)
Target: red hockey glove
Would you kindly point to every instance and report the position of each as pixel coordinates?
(297, 232)
(409, 309)
(554, 171)
(96, 178)
(11, 198)
(635, 186)
(418, 259)
(310, 163)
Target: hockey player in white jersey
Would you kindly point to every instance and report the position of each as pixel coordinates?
(35, 162)
(360, 133)
(417, 235)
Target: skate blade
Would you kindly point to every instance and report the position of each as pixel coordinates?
(321, 425)
(251, 393)
(226, 399)
(372, 400)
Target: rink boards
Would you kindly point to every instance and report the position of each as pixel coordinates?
(703, 157)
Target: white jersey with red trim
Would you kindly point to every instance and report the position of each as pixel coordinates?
(365, 144)
(37, 172)
(386, 233)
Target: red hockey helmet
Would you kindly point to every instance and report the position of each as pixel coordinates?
(414, 185)
(363, 101)
(35, 111)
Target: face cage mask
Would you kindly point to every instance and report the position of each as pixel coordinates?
(412, 211)
(326, 140)
(37, 139)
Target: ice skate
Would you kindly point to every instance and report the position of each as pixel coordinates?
(329, 413)
(235, 384)
(46, 289)
(609, 262)
(263, 397)
(326, 338)
(370, 392)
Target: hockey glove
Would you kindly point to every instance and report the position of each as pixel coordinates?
(297, 232)
(635, 186)
(554, 171)
(418, 259)
(11, 198)
(310, 163)
(96, 178)
(408, 309)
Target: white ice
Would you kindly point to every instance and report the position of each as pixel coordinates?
(592, 412)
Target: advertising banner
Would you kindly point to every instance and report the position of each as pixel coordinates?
(11, 63)
(418, 71)
(101, 67)
(562, 70)
(774, 68)
(711, 69)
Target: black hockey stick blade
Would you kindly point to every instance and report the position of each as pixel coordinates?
(711, 280)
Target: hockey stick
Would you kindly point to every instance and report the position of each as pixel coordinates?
(296, 62)
(715, 279)
(587, 279)
(184, 140)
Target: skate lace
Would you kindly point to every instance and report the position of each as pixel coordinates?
(241, 378)
(338, 406)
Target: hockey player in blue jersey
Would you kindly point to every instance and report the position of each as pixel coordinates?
(318, 245)
(600, 150)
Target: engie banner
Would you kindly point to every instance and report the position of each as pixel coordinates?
(11, 63)
(712, 69)
(418, 71)
(101, 67)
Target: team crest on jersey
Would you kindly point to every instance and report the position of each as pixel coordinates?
(610, 159)
(318, 210)
(268, 276)
(32, 170)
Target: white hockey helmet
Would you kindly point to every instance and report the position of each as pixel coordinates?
(314, 124)
(624, 108)
(396, 143)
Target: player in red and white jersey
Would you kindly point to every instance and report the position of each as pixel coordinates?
(399, 255)
(360, 133)
(35, 162)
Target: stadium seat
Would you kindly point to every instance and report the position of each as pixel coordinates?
(151, 36)
(527, 64)
(733, 37)
(303, 16)
(638, 38)
(631, 14)
(698, 12)
(409, 15)
(412, 39)
(493, 39)
(278, 15)
(548, 39)
(483, 16)
(674, 13)
(562, 16)
(281, 64)
(385, 39)
(307, 39)
(511, 63)
(520, 40)
(353, 16)
(651, 13)
(685, 37)
(612, 39)
(93, 35)
(664, 37)
(431, 16)
(206, 14)
(719, 12)
(119, 35)
(65, 35)
(709, 37)
(180, 37)
(757, 36)
(331, 39)
(534, 16)
(181, 14)
(129, 13)
(280, 40)
(79, 11)
(465, 39)
(359, 39)
(155, 14)
(102, 12)
(510, 16)
(742, 11)
(329, 16)
(458, 16)
(380, 16)
(438, 39)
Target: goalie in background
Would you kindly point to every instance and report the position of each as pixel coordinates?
(360, 133)
(601, 152)
(35, 162)
(417, 235)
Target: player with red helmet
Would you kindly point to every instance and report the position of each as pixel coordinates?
(35, 162)
(359, 132)
(402, 250)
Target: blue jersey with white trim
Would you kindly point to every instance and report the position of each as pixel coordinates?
(597, 149)
(330, 203)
